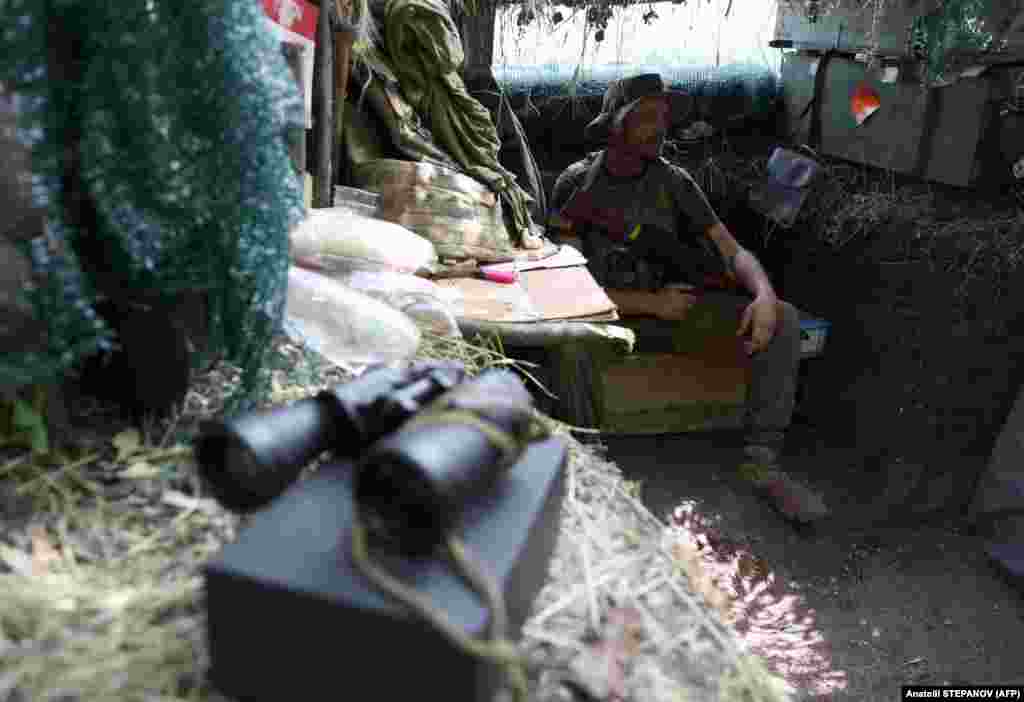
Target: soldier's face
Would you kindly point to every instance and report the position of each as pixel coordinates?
(647, 123)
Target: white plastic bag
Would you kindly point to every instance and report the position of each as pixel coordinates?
(345, 326)
(430, 306)
(338, 240)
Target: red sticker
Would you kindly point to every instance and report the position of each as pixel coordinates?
(865, 103)
(297, 16)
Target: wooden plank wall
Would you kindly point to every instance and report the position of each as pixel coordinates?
(893, 137)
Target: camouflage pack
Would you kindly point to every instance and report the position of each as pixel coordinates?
(460, 216)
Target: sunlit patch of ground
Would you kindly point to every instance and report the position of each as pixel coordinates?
(770, 616)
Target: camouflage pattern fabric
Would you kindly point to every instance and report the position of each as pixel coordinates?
(379, 98)
(427, 57)
(387, 143)
(461, 217)
(515, 153)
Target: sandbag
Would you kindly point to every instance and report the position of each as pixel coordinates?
(338, 240)
(346, 326)
(431, 307)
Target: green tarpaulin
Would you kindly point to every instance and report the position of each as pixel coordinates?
(417, 80)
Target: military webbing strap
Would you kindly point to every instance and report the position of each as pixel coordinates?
(496, 648)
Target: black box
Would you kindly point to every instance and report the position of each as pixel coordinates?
(290, 618)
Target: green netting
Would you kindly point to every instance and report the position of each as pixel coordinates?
(179, 114)
(958, 25)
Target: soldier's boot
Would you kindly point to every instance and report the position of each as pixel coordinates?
(790, 498)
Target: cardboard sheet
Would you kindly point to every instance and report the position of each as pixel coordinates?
(493, 302)
(566, 293)
(540, 295)
(612, 316)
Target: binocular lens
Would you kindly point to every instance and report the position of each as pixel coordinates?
(416, 479)
(250, 460)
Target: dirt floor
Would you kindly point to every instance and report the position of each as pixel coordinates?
(852, 608)
(919, 373)
(920, 370)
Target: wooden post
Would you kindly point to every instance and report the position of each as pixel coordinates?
(344, 37)
(297, 137)
(324, 119)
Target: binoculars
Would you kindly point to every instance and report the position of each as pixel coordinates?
(424, 442)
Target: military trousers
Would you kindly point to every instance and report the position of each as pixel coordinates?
(772, 383)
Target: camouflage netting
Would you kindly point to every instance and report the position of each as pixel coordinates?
(170, 119)
(957, 25)
(947, 36)
(756, 83)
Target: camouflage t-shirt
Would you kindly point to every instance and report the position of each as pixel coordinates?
(666, 197)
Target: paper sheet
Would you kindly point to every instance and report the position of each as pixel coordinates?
(567, 256)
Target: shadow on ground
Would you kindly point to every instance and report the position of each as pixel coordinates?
(849, 610)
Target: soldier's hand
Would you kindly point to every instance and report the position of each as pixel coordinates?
(759, 319)
(674, 301)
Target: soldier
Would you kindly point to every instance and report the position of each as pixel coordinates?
(626, 190)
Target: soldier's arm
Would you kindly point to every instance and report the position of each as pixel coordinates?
(744, 265)
(560, 229)
(740, 263)
(565, 186)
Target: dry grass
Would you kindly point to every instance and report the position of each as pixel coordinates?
(101, 598)
(100, 561)
(871, 212)
(615, 559)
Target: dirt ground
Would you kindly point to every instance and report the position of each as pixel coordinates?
(856, 606)
(919, 373)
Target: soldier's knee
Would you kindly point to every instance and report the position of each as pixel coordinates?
(789, 320)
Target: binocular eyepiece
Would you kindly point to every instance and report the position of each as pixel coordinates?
(424, 444)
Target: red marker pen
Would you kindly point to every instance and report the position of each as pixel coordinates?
(498, 276)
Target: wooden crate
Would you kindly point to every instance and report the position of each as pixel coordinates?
(654, 393)
(897, 136)
(682, 377)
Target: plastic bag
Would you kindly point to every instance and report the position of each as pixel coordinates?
(338, 240)
(430, 306)
(346, 326)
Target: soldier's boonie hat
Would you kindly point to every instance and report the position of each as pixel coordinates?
(624, 94)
